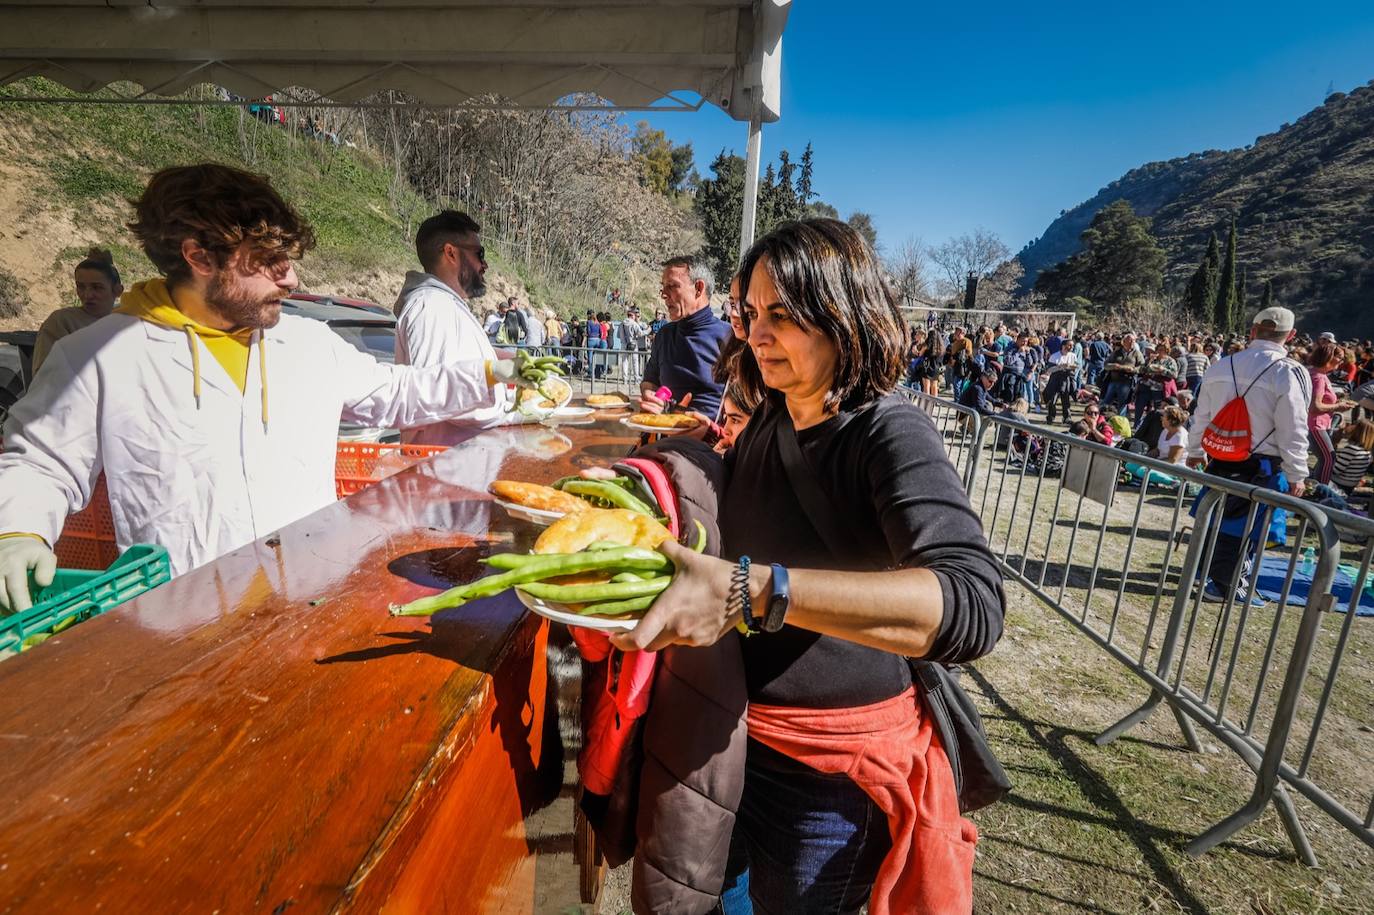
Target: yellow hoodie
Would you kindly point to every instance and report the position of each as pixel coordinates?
(151, 301)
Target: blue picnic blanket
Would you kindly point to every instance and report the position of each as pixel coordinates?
(1274, 569)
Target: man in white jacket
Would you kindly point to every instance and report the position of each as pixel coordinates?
(434, 324)
(213, 418)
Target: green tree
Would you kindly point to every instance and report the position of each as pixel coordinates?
(1201, 296)
(1213, 255)
(1120, 261)
(719, 204)
(684, 164)
(1267, 297)
(1225, 313)
(663, 166)
(766, 214)
(804, 192)
(1241, 282)
(863, 224)
(819, 209)
(784, 190)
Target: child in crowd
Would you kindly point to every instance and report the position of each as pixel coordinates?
(1353, 454)
(735, 410)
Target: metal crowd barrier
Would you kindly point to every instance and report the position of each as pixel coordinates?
(957, 425)
(1118, 563)
(599, 370)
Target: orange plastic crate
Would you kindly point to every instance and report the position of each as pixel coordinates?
(358, 465)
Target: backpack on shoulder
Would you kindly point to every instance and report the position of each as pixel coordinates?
(1228, 436)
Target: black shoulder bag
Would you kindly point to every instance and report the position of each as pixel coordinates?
(979, 778)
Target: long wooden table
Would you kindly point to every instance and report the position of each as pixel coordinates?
(259, 735)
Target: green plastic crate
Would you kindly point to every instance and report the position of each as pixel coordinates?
(76, 595)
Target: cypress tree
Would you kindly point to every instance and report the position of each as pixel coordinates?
(1225, 311)
(1202, 292)
(1267, 297)
(1240, 296)
(1213, 256)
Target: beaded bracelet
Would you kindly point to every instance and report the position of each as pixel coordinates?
(739, 595)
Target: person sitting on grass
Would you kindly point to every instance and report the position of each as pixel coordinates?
(977, 395)
(1172, 442)
(1099, 430)
(1355, 442)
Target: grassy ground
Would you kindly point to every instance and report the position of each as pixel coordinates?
(1103, 829)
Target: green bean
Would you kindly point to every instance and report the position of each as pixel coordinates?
(700, 545)
(606, 545)
(551, 565)
(619, 607)
(509, 560)
(580, 594)
(603, 489)
(629, 576)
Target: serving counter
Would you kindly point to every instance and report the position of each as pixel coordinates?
(259, 735)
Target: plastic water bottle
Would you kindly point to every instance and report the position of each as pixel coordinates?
(1309, 560)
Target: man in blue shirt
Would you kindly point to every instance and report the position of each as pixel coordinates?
(686, 348)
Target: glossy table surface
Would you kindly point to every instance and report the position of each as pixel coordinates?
(260, 735)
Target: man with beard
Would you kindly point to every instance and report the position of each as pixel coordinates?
(434, 323)
(213, 418)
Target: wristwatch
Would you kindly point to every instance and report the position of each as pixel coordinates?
(778, 599)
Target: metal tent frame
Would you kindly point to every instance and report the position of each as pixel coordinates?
(635, 54)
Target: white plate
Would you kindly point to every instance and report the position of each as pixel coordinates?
(622, 405)
(655, 430)
(572, 412)
(555, 612)
(525, 513)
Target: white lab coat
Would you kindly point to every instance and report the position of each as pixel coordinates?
(433, 326)
(202, 480)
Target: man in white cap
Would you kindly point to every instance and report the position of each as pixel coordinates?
(1326, 336)
(1277, 392)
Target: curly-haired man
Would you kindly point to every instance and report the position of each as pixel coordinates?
(213, 417)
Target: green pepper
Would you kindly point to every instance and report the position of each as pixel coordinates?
(619, 607)
(552, 565)
(586, 594)
(608, 491)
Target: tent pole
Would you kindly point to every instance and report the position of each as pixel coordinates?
(751, 173)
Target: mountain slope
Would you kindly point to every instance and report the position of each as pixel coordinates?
(1302, 197)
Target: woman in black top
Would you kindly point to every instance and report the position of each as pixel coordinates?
(901, 568)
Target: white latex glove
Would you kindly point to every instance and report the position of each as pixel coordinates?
(524, 370)
(17, 556)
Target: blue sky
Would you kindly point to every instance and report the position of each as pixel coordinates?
(938, 118)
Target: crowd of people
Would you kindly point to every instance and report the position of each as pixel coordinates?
(1309, 402)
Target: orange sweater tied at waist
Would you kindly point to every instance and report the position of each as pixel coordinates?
(891, 751)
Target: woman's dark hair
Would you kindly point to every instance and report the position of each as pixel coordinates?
(830, 282)
(724, 369)
(102, 260)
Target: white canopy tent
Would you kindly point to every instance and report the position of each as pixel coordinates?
(443, 53)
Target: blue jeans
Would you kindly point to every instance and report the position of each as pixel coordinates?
(803, 841)
(1118, 394)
